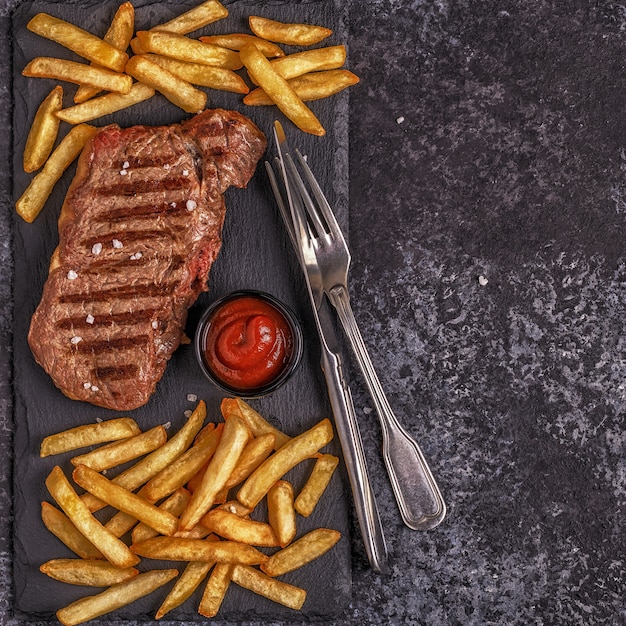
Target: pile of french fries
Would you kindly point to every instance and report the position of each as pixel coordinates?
(175, 504)
(166, 60)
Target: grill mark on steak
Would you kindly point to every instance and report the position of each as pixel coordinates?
(126, 318)
(146, 211)
(116, 265)
(143, 185)
(119, 293)
(115, 372)
(110, 345)
(127, 237)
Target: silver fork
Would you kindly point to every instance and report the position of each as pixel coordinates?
(419, 499)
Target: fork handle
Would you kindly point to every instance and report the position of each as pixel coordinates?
(419, 499)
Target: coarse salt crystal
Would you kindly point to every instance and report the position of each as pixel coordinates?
(400, 120)
(76, 339)
(173, 205)
(72, 275)
(232, 508)
(94, 388)
(123, 172)
(155, 324)
(191, 397)
(90, 319)
(136, 256)
(117, 244)
(166, 166)
(125, 165)
(188, 413)
(191, 205)
(482, 280)
(185, 172)
(86, 385)
(96, 248)
(167, 425)
(99, 420)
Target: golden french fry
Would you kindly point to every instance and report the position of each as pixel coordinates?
(186, 49)
(316, 484)
(124, 500)
(118, 452)
(189, 580)
(232, 442)
(105, 105)
(89, 435)
(111, 547)
(181, 549)
(135, 45)
(235, 528)
(196, 18)
(255, 452)
(254, 580)
(312, 86)
(291, 34)
(43, 131)
(119, 34)
(292, 453)
(202, 75)
(79, 41)
(90, 573)
(255, 421)
(32, 201)
(175, 505)
(215, 590)
(304, 550)
(62, 527)
(299, 63)
(114, 597)
(281, 513)
(236, 41)
(177, 91)
(78, 73)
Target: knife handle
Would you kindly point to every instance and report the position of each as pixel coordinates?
(354, 456)
(419, 499)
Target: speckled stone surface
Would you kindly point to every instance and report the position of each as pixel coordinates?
(488, 213)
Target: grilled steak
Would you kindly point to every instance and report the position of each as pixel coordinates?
(138, 232)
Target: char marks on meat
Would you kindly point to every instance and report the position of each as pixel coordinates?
(138, 232)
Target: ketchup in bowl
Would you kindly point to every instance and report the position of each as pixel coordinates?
(248, 343)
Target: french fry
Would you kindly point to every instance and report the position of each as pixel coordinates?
(111, 547)
(254, 580)
(119, 34)
(124, 500)
(316, 484)
(236, 41)
(300, 552)
(299, 63)
(255, 452)
(202, 75)
(79, 41)
(196, 18)
(189, 580)
(186, 49)
(43, 131)
(114, 597)
(91, 573)
(62, 527)
(105, 105)
(177, 91)
(32, 201)
(118, 452)
(180, 549)
(175, 505)
(215, 590)
(291, 34)
(285, 458)
(235, 528)
(135, 46)
(89, 435)
(78, 73)
(232, 442)
(308, 87)
(281, 512)
(255, 421)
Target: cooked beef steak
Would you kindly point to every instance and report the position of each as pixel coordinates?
(138, 232)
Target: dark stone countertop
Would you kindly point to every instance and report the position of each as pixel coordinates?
(488, 209)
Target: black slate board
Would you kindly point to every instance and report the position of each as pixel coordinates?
(255, 254)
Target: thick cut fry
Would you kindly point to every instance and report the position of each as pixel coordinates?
(186, 49)
(177, 91)
(135, 45)
(292, 453)
(32, 201)
(118, 452)
(235, 528)
(105, 105)
(124, 500)
(232, 442)
(215, 590)
(283, 593)
(43, 131)
(281, 513)
(316, 484)
(89, 435)
(79, 41)
(180, 549)
(196, 18)
(255, 421)
(61, 527)
(302, 551)
(300, 63)
(119, 34)
(78, 73)
(202, 75)
(312, 86)
(291, 34)
(89, 573)
(255, 452)
(236, 41)
(111, 547)
(114, 597)
(189, 580)
(175, 505)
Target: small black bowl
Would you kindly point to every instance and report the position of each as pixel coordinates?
(289, 364)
